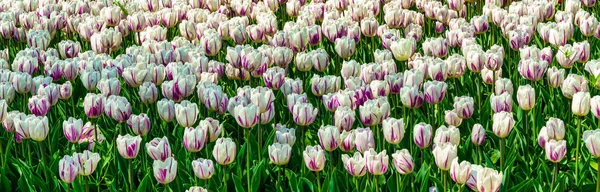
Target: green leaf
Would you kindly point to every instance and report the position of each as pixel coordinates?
(237, 181)
(144, 183)
(307, 182)
(256, 175)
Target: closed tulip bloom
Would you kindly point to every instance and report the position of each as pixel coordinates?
(9, 122)
(3, 110)
(203, 168)
(326, 84)
(22, 82)
(93, 105)
(581, 104)
(503, 122)
(319, 59)
(292, 86)
(88, 162)
(7, 92)
(158, 148)
(368, 26)
(65, 90)
(314, 158)
(364, 139)
(444, 153)
(50, 92)
(501, 102)
(355, 165)
(109, 87)
(90, 79)
(347, 141)
(452, 118)
(504, 85)
(591, 138)
(411, 97)
(393, 130)
(403, 49)
(128, 146)
(139, 124)
(148, 93)
(38, 127)
(573, 84)
(437, 70)
(488, 180)
(555, 77)
(555, 128)
(379, 88)
(373, 112)
(72, 129)
(21, 126)
(478, 134)
(274, 77)
(403, 162)
(186, 113)
(526, 97)
(487, 77)
(166, 109)
(213, 128)
(304, 114)
(594, 106)
(329, 137)
(165, 171)
(344, 118)
(68, 169)
(556, 150)
(377, 163)
(464, 107)
(285, 135)
(543, 138)
(195, 138)
(413, 78)
(434, 91)
(247, 116)
(422, 135)
(532, 69)
(224, 151)
(280, 153)
(117, 108)
(445, 134)
(345, 47)
(38, 105)
(460, 173)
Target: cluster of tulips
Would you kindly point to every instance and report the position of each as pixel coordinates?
(184, 77)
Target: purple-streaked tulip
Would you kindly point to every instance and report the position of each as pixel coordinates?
(65, 90)
(90, 79)
(50, 92)
(377, 163)
(543, 138)
(247, 116)
(477, 134)
(437, 47)
(139, 124)
(72, 128)
(118, 108)
(434, 91)
(581, 104)
(213, 128)
(109, 87)
(555, 128)
(128, 146)
(503, 85)
(274, 77)
(503, 122)
(403, 162)
(464, 106)
(572, 84)
(555, 77)
(38, 127)
(93, 105)
(364, 139)
(347, 141)
(460, 172)
(532, 69)
(195, 138)
(224, 151)
(159, 149)
(501, 102)
(292, 86)
(344, 118)
(411, 97)
(203, 168)
(319, 59)
(422, 135)
(556, 150)
(445, 134)
(326, 84)
(437, 70)
(444, 153)
(22, 82)
(25, 64)
(304, 114)
(148, 93)
(8, 123)
(452, 118)
(186, 113)
(7, 92)
(488, 179)
(489, 76)
(88, 162)
(594, 106)
(355, 165)
(314, 158)
(68, 169)
(345, 47)
(280, 153)
(526, 97)
(69, 49)
(393, 130)
(329, 137)
(591, 138)
(165, 171)
(373, 112)
(38, 105)
(166, 109)
(403, 49)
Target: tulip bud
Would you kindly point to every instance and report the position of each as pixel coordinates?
(139, 124)
(464, 107)
(128, 146)
(280, 153)
(556, 150)
(478, 134)
(117, 108)
(88, 162)
(326, 84)
(434, 91)
(90, 79)
(72, 128)
(247, 116)
(364, 139)
(186, 113)
(224, 151)
(403, 49)
(377, 163)
(393, 130)
(437, 47)
(165, 171)
(304, 114)
(373, 112)
(411, 97)
(532, 69)
(22, 82)
(203, 168)
(166, 109)
(38, 127)
(403, 162)
(314, 158)
(501, 102)
(460, 173)
(319, 59)
(503, 123)
(591, 138)
(444, 153)
(50, 92)
(487, 77)
(452, 118)
(38, 105)
(159, 149)
(581, 104)
(68, 169)
(422, 135)
(292, 86)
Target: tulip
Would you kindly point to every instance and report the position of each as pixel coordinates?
(7, 92)
(393, 130)
(403, 162)
(464, 107)
(68, 169)
(93, 105)
(591, 138)
(194, 138)
(434, 91)
(438, 70)
(532, 69)
(109, 87)
(280, 153)
(274, 78)
(247, 116)
(284, 135)
(38, 127)
(503, 85)
(292, 86)
(72, 129)
(166, 109)
(39, 105)
(128, 146)
(50, 92)
(139, 124)
(543, 137)
(488, 180)
(373, 112)
(445, 134)
(526, 97)
(90, 79)
(22, 82)
(487, 77)
(556, 150)
(326, 84)
(345, 47)
(581, 104)
(355, 165)
(503, 123)
(452, 118)
(148, 93)
(501, 102)
(224, 151)
(314, 158)
(159, 149)
(478, 134)
(573, 84)
(364, 139)
(329, 137)
(117, 108)
(460, 172)
(213, 128)
(555, 77)
(186, 113)
(444, 153)
(347, 141)
(65, 90)
(411, 97)
(343, 118)
(165, 171)
(377, 163)
(304, 114)
(594, 106)
(88, 161)
(196, 189)
(437, 47)
(203, 168)
(422, 135)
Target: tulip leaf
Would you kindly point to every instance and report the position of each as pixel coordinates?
(523, 186)
(238, 183)
(594, 165)
(144, 183)
(292, 181)
(256, 175)
(307, 182)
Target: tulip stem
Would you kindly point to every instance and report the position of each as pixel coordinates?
(598, 180)
(502, 153)
(43, 159)
(555, 176)
(444, 177)
(376, 183)
(318, 181)
(166, 187)
(225, 177)
(130, 180)
(247, 131)
(358, 189)
(68, 187)
(87, 186)
(578, 138)
(259, 143)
